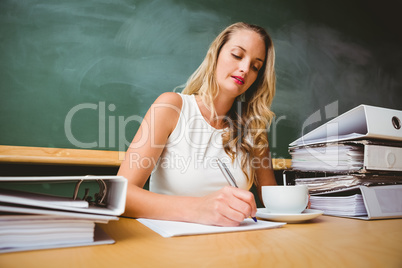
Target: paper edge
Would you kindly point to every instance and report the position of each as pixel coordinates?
(100, 238)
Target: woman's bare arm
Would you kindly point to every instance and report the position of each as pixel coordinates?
(264, 171)
(228, 207)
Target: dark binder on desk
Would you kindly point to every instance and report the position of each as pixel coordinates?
(362, 122)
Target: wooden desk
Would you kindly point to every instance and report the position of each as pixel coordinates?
(323, 242)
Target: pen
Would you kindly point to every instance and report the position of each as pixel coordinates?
(229, 177)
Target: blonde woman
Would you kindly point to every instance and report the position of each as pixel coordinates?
(223, 113)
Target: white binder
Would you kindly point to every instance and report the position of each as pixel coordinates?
(362, 122)
(99, 207)
(382, 202)
(375, 202)
(348, 156)
(113, 188)
(382, 158)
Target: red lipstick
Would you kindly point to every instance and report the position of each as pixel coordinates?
(239, 80)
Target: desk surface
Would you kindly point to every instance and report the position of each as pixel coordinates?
(323, 242)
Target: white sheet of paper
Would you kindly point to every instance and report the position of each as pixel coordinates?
(176, 228)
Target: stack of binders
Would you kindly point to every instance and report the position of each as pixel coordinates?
(31, 218)
(353, 164)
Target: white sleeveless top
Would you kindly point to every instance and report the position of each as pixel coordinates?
(187, 166)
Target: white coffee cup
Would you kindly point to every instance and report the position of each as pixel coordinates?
(291, 199)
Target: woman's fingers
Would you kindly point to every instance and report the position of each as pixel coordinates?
(248, 201)
(228, 207)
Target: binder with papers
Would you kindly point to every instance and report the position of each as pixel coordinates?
(362, 122)
(376, 202)
(352, 164)
(348, 156)
(30, 220)
(319, 185)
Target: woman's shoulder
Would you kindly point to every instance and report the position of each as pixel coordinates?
(170, 99)
(166, 110)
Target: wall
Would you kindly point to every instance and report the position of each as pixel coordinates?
(81, 74)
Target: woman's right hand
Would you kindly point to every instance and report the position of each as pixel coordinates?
(226, 207)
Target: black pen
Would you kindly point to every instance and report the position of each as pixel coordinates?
(229, 177)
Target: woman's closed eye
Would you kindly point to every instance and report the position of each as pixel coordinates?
(239, 57)
(236, 56)
(255, 68)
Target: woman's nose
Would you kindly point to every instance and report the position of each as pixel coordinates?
(244, 66)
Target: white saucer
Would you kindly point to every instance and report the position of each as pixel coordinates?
(306, 215)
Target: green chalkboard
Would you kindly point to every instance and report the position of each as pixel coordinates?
(81, 74)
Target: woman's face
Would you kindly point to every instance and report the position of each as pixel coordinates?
(239, 62)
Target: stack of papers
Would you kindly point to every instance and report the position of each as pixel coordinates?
(29, 228)
(328, 157)
(346, 206)
(357, 149)
(18, 231)
(175, 228)
(341, 183)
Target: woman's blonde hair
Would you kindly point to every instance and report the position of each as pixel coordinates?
(247, 134)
